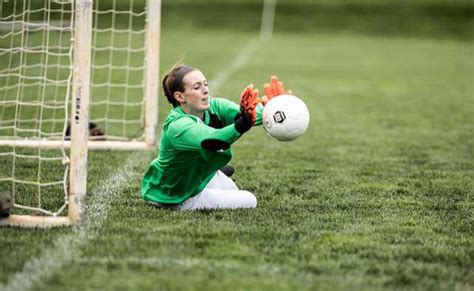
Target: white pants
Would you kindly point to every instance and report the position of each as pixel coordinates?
(220, 193)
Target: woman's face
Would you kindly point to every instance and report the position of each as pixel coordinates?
(195, 98)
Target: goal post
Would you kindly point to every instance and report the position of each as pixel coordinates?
(65, 64)
(79, 124)
(152, 64)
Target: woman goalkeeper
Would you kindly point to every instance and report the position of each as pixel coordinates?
(195, 144)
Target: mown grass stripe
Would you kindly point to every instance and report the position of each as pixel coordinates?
(238, 62)
(65, 248)
(167, 262)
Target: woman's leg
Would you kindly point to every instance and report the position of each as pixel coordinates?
(221, 181)
(220, 199)
(221, 192)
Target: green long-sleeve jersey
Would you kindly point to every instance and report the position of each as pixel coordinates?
(185, 164)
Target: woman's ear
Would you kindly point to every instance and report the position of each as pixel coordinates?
(179, 97)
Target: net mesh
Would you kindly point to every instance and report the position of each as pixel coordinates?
(35, 81)
(117, 69)
(36, 52)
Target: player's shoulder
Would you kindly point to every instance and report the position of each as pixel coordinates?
(178, 120)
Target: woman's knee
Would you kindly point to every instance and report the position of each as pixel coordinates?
(251, 200)
(222, 182)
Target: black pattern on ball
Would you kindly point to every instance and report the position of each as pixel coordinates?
(279, 116)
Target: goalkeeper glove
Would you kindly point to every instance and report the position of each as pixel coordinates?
(248, 103)
(273, 89)
(248, 109)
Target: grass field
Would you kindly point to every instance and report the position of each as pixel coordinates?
(378, 194)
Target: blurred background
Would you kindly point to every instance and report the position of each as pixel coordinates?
(429, 18)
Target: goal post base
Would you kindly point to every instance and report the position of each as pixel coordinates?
(35, 221)
(99, 145)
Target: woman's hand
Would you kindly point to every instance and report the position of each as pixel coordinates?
(273, 89)
(248, 103)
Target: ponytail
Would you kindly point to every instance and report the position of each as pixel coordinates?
(173, 81)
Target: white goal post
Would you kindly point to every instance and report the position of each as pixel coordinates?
(67, 64)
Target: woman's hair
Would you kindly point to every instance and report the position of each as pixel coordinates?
(173, 81)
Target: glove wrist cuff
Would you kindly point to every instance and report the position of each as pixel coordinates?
(242, 124)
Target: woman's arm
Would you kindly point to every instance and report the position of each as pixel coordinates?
(228, 111)
(188, 134)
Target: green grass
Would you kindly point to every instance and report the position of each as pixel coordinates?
(378, 194)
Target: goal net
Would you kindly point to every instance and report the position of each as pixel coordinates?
(68, 65)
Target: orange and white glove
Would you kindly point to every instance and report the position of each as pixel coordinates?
(248, 103)
(273, 89)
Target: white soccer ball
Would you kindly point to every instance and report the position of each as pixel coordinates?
(285, 117)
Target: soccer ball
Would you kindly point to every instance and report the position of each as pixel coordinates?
(285, 117)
